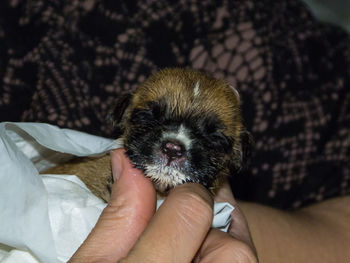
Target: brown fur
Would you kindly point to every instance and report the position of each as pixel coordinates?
(177, 86)
(96, 173)
(214, 96)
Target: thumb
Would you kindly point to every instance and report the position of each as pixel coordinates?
(131, 206)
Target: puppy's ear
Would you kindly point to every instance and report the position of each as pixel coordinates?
(116, 115)
(247, 145)
(235, 91)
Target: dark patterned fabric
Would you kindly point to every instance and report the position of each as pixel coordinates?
(65, 63)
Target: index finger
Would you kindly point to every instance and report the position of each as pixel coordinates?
(178, 229)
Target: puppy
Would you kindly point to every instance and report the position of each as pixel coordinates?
(179, 126)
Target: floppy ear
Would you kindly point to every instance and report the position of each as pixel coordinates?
(116, 115)
(247, 141)
(247, 145)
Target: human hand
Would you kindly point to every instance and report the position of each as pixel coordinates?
(129, 229)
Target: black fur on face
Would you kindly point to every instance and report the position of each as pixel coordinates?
(182, 125)
(198, 148)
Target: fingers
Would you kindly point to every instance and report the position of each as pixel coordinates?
(178, 229)
(220, 247)
(121, 223)
(176, 233)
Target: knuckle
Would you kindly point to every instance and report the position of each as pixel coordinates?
(120, 210)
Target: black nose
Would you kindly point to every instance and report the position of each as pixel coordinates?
(173, 149)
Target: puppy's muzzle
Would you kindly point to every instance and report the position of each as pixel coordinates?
(173, 152)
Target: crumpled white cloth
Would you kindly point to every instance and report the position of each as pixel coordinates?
(46, 218)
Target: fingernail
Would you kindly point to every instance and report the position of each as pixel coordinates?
(117, 165)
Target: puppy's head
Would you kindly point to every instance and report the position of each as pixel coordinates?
(183, 126)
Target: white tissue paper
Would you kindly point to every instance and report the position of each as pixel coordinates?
(46, 218)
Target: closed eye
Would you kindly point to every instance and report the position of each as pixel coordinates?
(221, 142)
(141, 116)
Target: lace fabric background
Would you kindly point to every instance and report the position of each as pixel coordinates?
(66, 62)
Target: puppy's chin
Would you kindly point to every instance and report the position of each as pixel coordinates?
(165, 177)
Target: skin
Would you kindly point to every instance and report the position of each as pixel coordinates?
(318, 233)
(129, 229)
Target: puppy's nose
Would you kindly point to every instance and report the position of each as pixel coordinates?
(173, 149)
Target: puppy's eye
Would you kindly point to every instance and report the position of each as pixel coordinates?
(221, 142)
(139, 116)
